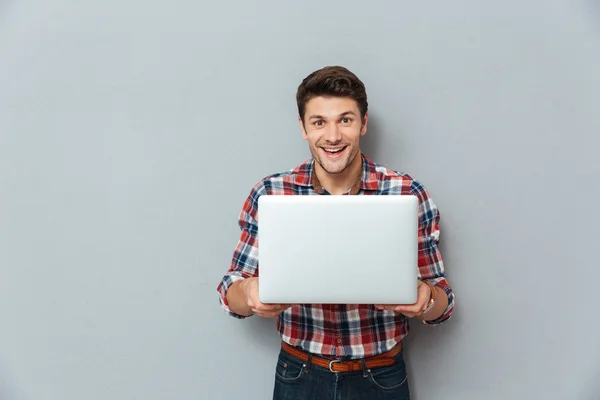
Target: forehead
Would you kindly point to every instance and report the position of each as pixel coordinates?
(330, 106)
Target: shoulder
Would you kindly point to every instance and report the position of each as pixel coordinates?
(396, 182)
(392, 181)
(288, 182)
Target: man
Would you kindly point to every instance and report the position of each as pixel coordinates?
(338, 351)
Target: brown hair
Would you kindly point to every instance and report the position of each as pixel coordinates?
(332, 81)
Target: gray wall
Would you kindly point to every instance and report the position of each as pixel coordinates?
(131, 131)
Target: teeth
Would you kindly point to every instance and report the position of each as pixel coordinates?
(333, 150)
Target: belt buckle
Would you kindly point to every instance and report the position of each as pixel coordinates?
(331, 364)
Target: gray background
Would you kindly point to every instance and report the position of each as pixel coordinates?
(132, 131)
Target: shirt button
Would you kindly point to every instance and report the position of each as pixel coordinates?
(339, 340)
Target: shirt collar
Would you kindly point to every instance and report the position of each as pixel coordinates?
(367, 180)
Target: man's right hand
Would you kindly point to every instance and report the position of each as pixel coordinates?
(249, 287)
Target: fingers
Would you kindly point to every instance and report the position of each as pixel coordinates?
(274, 306)
(413, 310)
(390, 307)
(258, 308)
(269, 310)
(409, 310)
(266, 314)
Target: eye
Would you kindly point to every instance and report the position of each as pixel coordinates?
(346, 120)
(319, 123)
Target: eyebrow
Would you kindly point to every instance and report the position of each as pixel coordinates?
(340, 116)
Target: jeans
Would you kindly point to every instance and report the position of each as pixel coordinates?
(296, 380)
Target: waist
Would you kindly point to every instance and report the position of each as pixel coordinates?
(326, 325)
(381, 360)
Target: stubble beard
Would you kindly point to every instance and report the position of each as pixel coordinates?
(337, 170)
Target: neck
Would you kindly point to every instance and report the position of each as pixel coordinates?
(340, 183)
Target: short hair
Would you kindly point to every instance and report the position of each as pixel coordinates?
(334, 81)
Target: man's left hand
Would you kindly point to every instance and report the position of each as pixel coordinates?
(411, 310)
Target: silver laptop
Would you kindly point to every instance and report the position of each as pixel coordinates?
(337, 249)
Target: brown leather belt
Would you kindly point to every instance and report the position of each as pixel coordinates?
(381, 360)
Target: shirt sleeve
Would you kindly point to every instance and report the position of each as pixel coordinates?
(430, 263)
(244, 263)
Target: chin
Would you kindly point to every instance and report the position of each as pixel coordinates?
(335, 168)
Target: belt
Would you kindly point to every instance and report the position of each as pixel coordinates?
(381, 360)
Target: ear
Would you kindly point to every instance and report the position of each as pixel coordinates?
(304, 135)
(363, 129)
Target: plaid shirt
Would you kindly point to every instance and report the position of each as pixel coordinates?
(344, 331)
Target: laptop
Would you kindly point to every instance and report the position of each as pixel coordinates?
(337, 249)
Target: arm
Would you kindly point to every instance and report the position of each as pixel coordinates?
(430, 267)
(237, 298)
(238, 290)
(424, 293)
(440, 306)
(242, 297)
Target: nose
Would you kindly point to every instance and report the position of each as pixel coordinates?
(333, 134)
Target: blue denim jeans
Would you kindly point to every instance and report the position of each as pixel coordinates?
(297, 380)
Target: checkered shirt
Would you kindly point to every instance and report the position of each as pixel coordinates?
(344, 331)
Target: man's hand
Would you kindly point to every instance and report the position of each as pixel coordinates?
(250, 290)
(411, 310)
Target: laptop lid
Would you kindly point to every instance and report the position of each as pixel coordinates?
(338, 249)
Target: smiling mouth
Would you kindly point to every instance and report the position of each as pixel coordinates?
(334, 152)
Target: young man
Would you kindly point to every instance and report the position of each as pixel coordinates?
(338, 351)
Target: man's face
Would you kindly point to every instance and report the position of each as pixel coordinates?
(332, 126)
